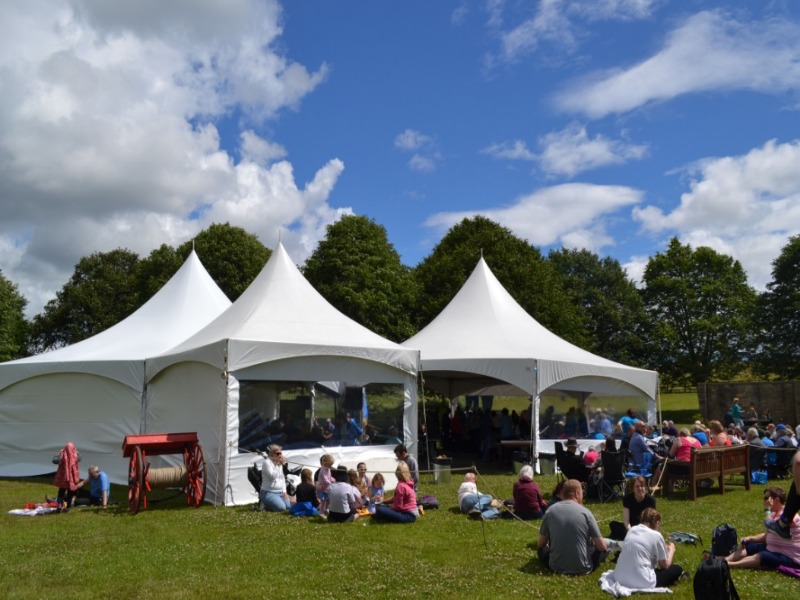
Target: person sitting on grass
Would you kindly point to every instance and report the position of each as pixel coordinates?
(404, 502)
(634, 502)
(646, 560)
(569, 539)
(781, 526)
(344, 498)
(528, 501)
(306, 501)
(476, 505)
(99, 489)
(769, 550)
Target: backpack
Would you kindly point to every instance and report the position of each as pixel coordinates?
(429, 502)
(724, 540)
(713, 581)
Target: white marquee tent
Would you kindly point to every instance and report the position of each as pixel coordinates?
(91, 392)
(280, 330)
(484, 343)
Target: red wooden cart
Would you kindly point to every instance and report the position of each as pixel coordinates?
(190, 477)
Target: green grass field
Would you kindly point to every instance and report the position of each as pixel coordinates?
(173, 551)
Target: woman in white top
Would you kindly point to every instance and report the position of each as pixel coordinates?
(273, 494)
(646, 560)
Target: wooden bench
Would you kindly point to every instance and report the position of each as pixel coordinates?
(710, 462)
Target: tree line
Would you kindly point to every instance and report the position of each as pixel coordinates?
(694, 317)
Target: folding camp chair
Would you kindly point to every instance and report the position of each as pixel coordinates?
(570, 469)
(612, 485)
(643, 469)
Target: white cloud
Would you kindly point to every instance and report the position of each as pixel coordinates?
(555, 23)
(258, 150)
(745, 206)
(635, 267)
(516, 150)
(710, 51)
(571, 151)
(572, 214)
(410, 140)
(425, 158)
(107, 134)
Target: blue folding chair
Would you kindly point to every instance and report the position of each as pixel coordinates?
(643, 470)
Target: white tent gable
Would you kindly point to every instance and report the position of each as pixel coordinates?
(483, 330)
(281, 309)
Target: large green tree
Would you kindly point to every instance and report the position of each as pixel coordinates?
(613, 307)
(101, 292)
(13, 326)
(779, 316)
(530, 279)
(358, 271)
(700, 310)
(232, 256)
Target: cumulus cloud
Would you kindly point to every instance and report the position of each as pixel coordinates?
(745, 206)
(411, 140)
(709, 51)
(108, 132)
(572, 214)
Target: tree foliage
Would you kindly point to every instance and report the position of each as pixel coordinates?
(101, 292)
(231, 256)
(13, 326)
(613, 307)
(700, 309)
(779, 316)
(360, 273)
(520, 268)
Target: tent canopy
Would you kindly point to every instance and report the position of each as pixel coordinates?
(279, 330)
(90, 392)
(484, 343)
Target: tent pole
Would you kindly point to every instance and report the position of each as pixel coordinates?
(424, 419)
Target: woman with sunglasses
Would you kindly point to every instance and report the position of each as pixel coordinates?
(273, 496)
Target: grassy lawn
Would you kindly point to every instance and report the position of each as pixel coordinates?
(172, 551)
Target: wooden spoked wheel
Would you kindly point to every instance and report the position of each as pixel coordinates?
(135, 480)
(196, 475)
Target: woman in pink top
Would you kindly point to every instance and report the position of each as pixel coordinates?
(404, 502)
(680, 453)
(768, 550)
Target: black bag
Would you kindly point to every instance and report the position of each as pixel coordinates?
(254, 476)
(713, 581)
(724, 540)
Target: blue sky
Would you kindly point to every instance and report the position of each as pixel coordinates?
(611, 125)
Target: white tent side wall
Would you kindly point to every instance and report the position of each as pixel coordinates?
(40, 414)
(192, 396)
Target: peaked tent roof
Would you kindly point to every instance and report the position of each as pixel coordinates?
(485, 333)
(189, 300)
(281, 315)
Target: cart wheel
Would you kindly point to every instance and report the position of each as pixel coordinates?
(135, 480)
(196, 473)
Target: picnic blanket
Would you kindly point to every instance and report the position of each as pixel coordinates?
(611, 586)
(33, 510)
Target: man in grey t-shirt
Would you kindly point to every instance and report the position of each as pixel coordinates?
(569, 538)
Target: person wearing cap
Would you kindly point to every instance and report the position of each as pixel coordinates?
(574, 467)
(783, 437)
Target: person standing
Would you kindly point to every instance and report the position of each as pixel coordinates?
(401, 452)
(736, 413)
(569, 538)
(68, 478)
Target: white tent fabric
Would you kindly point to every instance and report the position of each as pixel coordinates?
(280, 329)
(91, 392)
(483, 342)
